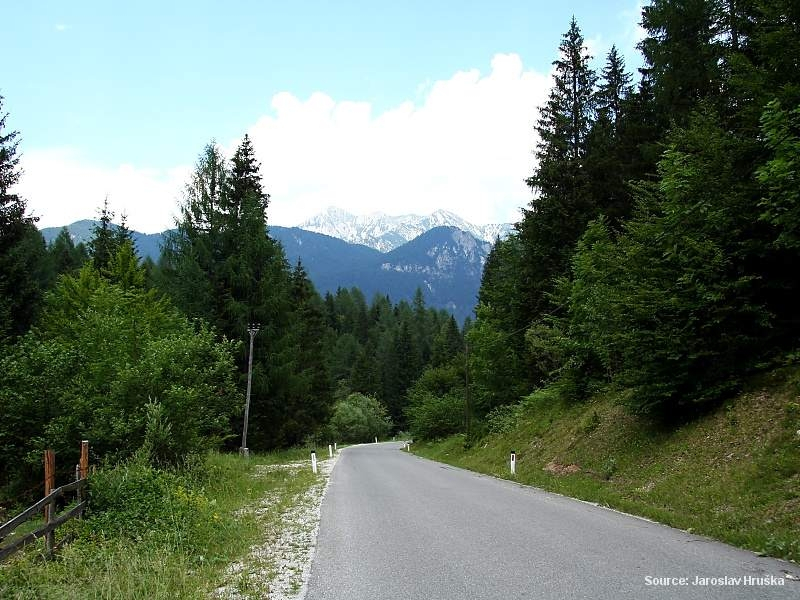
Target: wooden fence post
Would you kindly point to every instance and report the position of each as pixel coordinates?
(84, 459)
(82, 469)
(49, 485)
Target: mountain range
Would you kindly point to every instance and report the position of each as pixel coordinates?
(386, 233)
(445, 260)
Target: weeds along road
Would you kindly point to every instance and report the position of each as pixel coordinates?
(395, 526)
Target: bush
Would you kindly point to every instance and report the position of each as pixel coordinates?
(503, 418)
(433, 417)
(359, 418)
(100, 353)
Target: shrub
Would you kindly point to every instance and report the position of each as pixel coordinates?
(503, 418)
(359, 418)
(100, 353)
(433, 417)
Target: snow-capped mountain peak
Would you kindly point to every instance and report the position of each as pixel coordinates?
(385, 232)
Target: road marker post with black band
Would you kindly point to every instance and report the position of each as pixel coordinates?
(513, 463)
(314, 461)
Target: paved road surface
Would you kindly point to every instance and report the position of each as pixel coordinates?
(395, 526)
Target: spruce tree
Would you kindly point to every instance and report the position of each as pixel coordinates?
(561, 205)
(23, 259)
(614, 87)
(221, 265)
(105, 242)
(682, 53)
(311, 328)
(65, 256)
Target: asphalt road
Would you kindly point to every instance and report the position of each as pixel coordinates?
(395, 526)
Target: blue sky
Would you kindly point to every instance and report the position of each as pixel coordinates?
(119, 99)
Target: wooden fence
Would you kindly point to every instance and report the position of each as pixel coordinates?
(48, 506)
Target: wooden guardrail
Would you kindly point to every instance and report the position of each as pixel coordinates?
(47, 505)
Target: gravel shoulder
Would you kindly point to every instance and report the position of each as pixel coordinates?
(280, 566)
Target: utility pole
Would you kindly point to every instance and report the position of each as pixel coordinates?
(252, 330)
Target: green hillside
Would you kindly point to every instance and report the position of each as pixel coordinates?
(733, 474)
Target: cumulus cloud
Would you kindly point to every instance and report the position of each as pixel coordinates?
(62, 187)
(463, 144)
(465, 147)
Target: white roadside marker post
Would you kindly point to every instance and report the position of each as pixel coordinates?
(376, 439)
(334, 446)
(314, 461)
(513, 463)
(330, 451)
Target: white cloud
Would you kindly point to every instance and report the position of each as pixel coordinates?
(634, 33)
(465, 145)
(61, 27)
(61, 187)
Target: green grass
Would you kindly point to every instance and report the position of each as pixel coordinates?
(733, 475)
(200, 529)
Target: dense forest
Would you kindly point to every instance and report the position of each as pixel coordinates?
(658, 255)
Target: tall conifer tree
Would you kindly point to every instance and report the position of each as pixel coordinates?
(23, 260)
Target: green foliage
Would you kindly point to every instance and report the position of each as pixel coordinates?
(65, 257)
(681, 53)
(106, 240)
(433, 417)
(100, 353)
(499, 363)
(437, 404)
(380, 349)
(220, 265)
(494, 363)
(781, 206)
(144, 504)
(358, 418)
(503, 419)
(666, 306)
(23, 262)
(162, 534)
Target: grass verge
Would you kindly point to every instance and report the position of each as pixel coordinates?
(733, 475)
(161, 534)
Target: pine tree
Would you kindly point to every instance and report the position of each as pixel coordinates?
(448, 343)
(221, 265)
(561, 206)
(105, 242)
(309, 321)
(605, 165)
(682, 53)
(65, 256)
(614, 87)
(23, 259)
